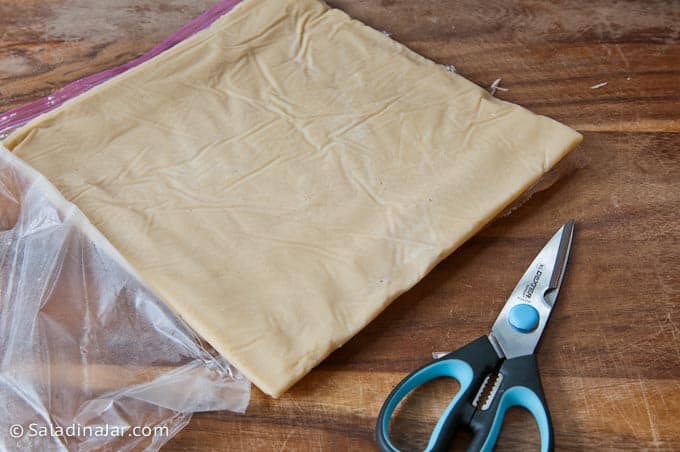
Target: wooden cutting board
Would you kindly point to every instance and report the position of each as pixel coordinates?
(610, 359)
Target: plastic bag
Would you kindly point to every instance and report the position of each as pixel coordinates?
(89, 357)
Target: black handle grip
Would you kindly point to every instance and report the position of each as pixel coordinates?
(482, 359)
(520, 386)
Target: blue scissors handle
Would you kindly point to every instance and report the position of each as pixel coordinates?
(519, 386)
(469, 365)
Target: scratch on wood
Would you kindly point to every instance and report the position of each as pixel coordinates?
(586, 400)
(288, 436)
(623, 57)
(673, 330)
(652, 424)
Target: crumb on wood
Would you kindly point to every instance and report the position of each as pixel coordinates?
(599, 85)
(495, 86)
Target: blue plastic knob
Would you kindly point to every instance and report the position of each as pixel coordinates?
(524, 318)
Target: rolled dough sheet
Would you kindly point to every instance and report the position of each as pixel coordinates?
(282, 176)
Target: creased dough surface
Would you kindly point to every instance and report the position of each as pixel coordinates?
(282, 176)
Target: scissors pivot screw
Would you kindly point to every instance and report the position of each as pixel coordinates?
(524, 318)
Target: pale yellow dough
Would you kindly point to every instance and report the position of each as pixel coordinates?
(281, 177)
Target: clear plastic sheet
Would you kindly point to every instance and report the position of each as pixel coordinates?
(571, 163)
(89, 357)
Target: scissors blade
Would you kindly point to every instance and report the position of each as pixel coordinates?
(520, 324)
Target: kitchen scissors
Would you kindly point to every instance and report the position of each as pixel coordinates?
(508, 352)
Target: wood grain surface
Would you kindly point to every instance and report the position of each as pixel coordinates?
(610, 359)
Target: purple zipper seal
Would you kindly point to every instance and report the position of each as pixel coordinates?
(19, 116)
